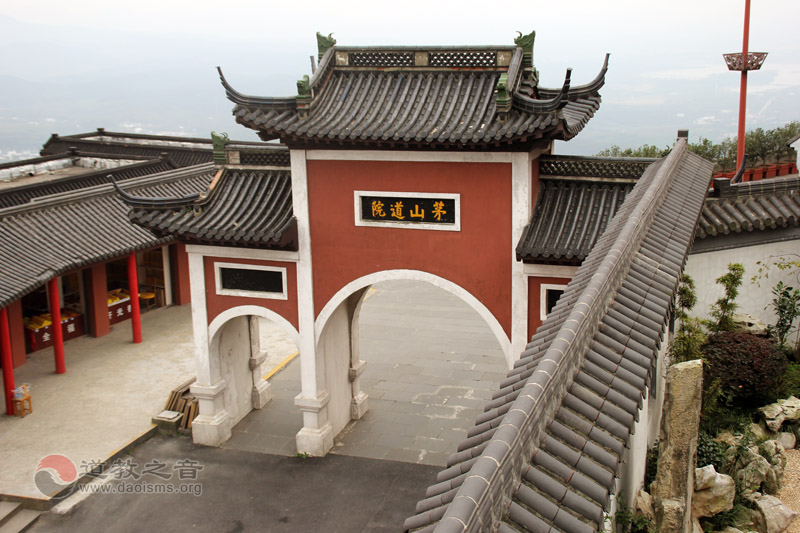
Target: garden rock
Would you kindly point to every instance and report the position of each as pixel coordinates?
(773, 416)
(752, 471)
(643, 504)
(791, 408)
(716, 497)
(760, 431)
(704, 477)
(750, 324)
(787, 440)
(775, 454)
(730, 529)
(771, 516)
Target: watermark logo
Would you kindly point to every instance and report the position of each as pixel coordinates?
(56, 477)
(54, 473)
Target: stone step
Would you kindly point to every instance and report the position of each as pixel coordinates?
(20, 520)
(7, 510)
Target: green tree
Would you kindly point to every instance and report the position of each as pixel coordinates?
(762, 147)
(642, 151)
(725, 306)
(688, 340)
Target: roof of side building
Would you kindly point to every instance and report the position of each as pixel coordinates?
(578, 197)
(60, 233)
(751, 206)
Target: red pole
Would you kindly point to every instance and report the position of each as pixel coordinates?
(743, 86)
(58, 334)
(8, 363)
(133, 289)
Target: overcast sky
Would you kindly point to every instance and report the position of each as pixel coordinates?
(149, 65)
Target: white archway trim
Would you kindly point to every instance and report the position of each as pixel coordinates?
(417, 275)
(255, 310)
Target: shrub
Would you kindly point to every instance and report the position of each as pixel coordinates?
(747, 367)
(709, 451)
(790, 381)
(651, 466)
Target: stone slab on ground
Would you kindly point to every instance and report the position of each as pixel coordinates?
(243, 491)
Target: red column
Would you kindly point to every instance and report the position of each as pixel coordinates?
(743, 87)
(98, 308)
(8, 363)
(133, 288)
(58, 334)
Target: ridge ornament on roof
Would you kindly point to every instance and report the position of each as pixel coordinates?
(430, 98)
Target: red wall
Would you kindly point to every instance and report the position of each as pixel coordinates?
(97, 320)
(179, 270)
(478, 258)
(535, 300)
(216, 303)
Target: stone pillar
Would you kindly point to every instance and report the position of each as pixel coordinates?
(261, 392)
(212, 426)
(680, 422)
(316, 437)
(360, 402)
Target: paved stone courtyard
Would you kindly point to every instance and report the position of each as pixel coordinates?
(432, 362)
(111, 390)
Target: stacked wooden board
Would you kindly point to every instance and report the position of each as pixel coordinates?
(182, 401)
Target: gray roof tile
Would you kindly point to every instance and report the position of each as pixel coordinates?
(60, 233)
(451, 101)
(751, 206)
(244, 207)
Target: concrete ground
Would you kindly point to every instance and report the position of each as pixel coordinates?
(244, 491)
(432, 362)
(111, 390)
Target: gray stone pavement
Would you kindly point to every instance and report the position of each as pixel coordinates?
(432, 362)
(244, 491)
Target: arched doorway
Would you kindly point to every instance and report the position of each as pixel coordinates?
(246, 342)
(422, 361)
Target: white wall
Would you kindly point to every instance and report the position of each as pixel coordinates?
(645, 432)
(752, 299)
